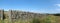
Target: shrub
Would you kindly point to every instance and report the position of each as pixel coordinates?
(57, 14)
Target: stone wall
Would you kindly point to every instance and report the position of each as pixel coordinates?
(13, 15)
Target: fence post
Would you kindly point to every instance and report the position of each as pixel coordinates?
(2, 13)
(10, 19)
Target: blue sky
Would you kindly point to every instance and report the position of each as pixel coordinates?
(39, 6)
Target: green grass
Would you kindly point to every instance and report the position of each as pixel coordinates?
(48, 19)
(0, 21)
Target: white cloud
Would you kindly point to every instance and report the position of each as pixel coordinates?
(58, 5)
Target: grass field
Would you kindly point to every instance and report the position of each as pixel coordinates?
(48, 19)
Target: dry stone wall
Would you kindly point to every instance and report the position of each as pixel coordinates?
(14, 15)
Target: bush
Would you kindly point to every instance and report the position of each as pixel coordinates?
(57, 14)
